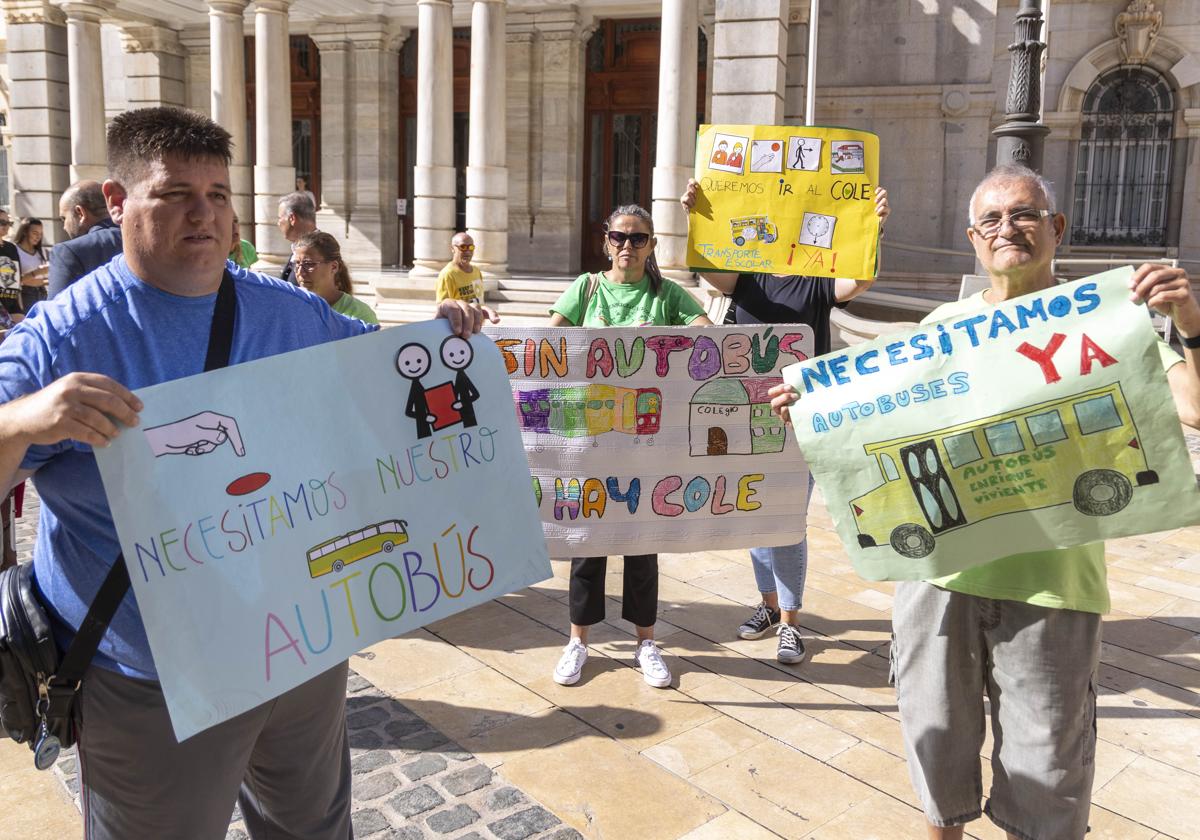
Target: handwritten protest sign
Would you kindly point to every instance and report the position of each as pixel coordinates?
(785, 200)
(658, 438)
(279, 515)
(1043, 422)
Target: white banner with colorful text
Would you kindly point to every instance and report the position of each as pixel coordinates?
(651, 439)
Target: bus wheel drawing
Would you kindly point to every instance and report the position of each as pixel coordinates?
(912, 540)
(388, 546)
(1101, 492)
(338, 565)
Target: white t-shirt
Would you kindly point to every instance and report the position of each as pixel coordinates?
(29, 262)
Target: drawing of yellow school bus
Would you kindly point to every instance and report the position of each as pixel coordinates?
(1081, 450)
(749, 228)
(335, 554)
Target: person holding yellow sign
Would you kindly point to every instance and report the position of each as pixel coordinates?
(779, 571)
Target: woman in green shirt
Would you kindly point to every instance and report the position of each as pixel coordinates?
(242, 252)
(632, 293)
(321, 269)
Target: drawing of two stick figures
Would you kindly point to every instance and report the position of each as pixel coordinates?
(413, 362)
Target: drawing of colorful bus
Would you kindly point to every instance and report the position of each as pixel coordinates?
(1082, 449)
(590, 410)
(335, 554)
(750, 228)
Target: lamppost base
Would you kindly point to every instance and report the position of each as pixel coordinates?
(1019, 142)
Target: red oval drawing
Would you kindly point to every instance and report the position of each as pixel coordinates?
(247, 483)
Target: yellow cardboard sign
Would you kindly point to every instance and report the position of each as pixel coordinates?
(785, 200)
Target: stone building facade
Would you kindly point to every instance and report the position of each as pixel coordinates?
(525, 121)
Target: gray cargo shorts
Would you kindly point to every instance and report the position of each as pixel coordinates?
(1037, 666)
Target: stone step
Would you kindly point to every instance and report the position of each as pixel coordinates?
(536, 284)
(511, 314)
(504, 294)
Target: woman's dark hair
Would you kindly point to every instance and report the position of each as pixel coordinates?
(328, 248)
(656, 278)
(23, 231)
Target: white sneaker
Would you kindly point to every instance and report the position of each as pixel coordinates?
(654, 670)
(570, 665)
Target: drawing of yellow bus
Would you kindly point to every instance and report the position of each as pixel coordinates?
(749, 228)
(335, 554)
(1082, 449)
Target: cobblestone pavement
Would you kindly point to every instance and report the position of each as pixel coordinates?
(410, 781)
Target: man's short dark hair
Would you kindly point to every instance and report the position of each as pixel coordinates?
(88, 195)
(136, 138)
(299, 205)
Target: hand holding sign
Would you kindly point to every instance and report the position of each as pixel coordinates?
(196, 435)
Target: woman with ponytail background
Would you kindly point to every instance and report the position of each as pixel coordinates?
(632, 293)
(321, 269)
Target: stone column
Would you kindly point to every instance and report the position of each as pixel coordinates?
(274, 173)
(1189, 210)
(227, 99)
(795, 78)
(487, 156)
(86, 71)
(360, 133)
(750, 62)
(337, 124)
(38, 109)
(433, 176)
(197, 68)
(154, 60)
(676, 147)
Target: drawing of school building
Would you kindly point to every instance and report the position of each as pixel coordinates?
(733, 417)
(526, 122)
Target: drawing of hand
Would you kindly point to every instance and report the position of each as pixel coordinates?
(196, 435)
(430, 418)
(456, 405)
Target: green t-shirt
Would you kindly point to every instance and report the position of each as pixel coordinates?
(1062, 578)
(352, 307)
(627, 304)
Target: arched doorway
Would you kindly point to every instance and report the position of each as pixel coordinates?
(621, 122)
(408, 132)
(305, 61)
(1123, 170)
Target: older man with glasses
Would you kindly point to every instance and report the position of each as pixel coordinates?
(10, 271)
(460, 280)
(1024, 630)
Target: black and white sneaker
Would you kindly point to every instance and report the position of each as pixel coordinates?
(759, 624)
(791, 647)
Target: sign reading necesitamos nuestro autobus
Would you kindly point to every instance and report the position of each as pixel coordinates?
(1043, 422)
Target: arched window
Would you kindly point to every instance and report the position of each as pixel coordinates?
(1123, 173)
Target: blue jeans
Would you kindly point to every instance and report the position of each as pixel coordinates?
(782, 568)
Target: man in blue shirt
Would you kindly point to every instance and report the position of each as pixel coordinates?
(66, 381)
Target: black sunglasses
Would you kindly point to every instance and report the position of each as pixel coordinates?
(620, 237)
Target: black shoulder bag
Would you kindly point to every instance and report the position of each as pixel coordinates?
(38, 689)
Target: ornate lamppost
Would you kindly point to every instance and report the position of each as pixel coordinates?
(1020, 138)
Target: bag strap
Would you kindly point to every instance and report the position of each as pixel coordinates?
(589, 292)
(116, 583)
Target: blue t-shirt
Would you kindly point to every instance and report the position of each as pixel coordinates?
(110, 322)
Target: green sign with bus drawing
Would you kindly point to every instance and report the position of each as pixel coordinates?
(1044, 422)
